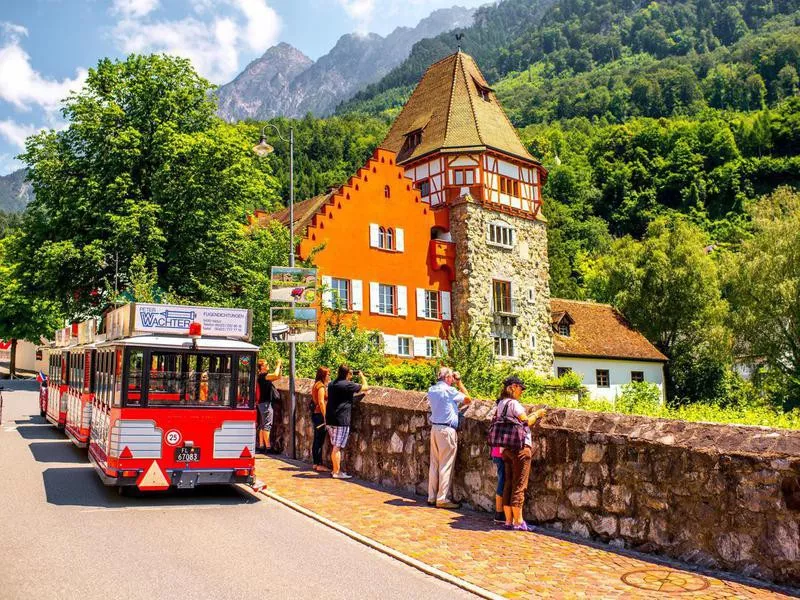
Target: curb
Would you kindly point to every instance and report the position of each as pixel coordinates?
(412, 562)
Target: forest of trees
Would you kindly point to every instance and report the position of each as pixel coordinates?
(671, 133)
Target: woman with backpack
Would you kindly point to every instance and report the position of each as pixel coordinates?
(511, 431)
(319, 399)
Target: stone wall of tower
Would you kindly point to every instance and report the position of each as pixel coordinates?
(525, 265)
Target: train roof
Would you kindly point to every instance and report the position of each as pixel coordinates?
(169, 342)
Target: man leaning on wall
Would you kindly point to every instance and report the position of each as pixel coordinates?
(447, 396)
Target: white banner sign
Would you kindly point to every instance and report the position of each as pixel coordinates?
(166, 318)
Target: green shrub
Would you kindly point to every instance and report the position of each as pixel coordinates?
(641, 398)
(406, 376)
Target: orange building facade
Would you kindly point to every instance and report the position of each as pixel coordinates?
(441, 227)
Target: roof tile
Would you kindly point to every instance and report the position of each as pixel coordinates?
(599, 331)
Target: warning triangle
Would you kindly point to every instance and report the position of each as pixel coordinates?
(246, 453)
(153, 479)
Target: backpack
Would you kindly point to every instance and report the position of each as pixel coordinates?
(507, 433)
(273, 396)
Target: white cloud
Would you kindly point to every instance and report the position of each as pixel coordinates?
(360, 11)
(16, 133)
(23, 86)
(263, 23)
(212, 43)
(134, 8)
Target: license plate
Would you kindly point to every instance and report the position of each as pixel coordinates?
(186, 455)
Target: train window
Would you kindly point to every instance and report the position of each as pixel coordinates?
(243, 385)
(189, 379)
(133, 395)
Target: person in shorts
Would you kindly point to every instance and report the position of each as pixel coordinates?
(338, 412)
(264, 404)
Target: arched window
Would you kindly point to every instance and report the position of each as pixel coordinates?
(389, 239)
(387, 193)
(381, 238)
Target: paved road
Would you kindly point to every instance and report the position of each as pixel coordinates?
(64, 535)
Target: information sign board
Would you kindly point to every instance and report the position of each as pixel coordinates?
(293, 284)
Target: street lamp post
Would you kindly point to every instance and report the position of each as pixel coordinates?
(263, 149)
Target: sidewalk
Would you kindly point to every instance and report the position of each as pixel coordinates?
(467, 545)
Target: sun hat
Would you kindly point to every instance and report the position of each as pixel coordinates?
(513, 379)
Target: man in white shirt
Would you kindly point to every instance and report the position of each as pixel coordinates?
(446, 397)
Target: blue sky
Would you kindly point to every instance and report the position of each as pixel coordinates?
(46, 46)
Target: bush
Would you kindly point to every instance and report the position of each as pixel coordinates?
(641, 398)
(405, 376)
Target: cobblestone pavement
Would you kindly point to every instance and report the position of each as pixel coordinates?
(509, 563)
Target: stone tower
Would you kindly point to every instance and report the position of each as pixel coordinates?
(456, 143)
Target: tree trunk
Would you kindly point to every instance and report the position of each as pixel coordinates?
(12, 365)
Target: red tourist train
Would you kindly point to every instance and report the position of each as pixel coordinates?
(164, 398)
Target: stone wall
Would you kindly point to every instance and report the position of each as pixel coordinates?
(525, 266)
(721, 496)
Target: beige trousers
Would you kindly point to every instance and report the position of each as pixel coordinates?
(444, 442)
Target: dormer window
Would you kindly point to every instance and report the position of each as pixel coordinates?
(562, 323)
(413, 138)
(483, 91)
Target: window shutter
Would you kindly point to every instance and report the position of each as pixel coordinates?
(445, 300)
(420, 303)
(356, 288)
(373, 296)
(327, 295)
(399, 239)
(420, 346)
(402, 300)
(390, 343)
(373, 235)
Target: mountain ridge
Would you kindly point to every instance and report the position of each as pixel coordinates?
(15, 191)
(285, 82)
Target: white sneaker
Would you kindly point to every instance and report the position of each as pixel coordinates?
(341, 475)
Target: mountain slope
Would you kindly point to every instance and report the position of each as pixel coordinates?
(560, 40)
(262, 89)
(15, 192)
(284, 82)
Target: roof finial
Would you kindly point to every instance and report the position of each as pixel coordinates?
(459, 37)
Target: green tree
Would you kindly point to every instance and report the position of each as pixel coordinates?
(766, 291)
(23, 314)
(144, 170)
(667, 286)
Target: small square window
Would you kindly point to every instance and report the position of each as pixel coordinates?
(637, 376)
(563, 329)
(431, 308)
(601, 376)
(561, 371)
(504, 347)
(386, 299)
(431, 347)
(341, 293)
(424, 187)
(404, 346)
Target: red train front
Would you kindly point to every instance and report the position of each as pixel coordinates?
(170, 408)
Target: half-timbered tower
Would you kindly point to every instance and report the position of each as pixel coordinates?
(456, 144)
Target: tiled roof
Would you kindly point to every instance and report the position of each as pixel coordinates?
(304, 211)
(448, 107)
(599, 331)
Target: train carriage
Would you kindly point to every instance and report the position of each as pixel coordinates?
(174, 397)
